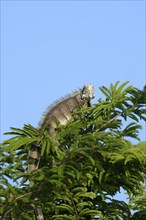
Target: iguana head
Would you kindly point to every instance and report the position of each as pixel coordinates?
(88, 92)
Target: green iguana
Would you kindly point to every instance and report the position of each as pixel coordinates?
(60, 111)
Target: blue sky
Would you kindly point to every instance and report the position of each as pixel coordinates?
(49, 48)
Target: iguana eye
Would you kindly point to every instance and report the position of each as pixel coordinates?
(83, 96)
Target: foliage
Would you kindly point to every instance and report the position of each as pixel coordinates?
(79, 177)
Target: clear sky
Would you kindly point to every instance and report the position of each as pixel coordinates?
(49, 48)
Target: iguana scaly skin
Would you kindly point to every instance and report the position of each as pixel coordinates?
(61, 111)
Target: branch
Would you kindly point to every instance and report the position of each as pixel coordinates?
(26, 194)
(74, 206)
(5, 213)
(108, 122)
(15, 199)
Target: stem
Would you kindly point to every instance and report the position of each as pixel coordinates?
(74, 206)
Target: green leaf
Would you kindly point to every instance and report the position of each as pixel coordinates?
(90, 212)
(63, 217)
(65, 207)
(79, 189)
(106, 92)
(101, 175)
(44, 146)
(20, 142)
(119, 90)
(81, 205)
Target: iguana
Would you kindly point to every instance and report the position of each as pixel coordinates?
(61, 111)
